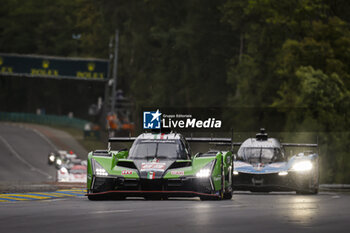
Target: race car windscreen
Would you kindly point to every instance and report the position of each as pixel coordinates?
(146, 149)
(260, 155)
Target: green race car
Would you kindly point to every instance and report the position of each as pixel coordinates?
(159, 166)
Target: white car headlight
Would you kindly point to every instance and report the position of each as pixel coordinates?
(99, 170)
(302, 166)
(52, 158)
(235, 173)
(283, 173)
(59, 162)
(205, 172)
(64, 170)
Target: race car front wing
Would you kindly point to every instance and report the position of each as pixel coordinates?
(272, 182)
(185, 186)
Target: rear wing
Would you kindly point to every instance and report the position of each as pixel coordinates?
(122, 139)
(119, 139)
(216, 140)
(211, 140)
(189, 139)
(234, 144)
(221, 143)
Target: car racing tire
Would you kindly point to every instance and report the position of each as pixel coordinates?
(313, 192)
(228, 195)
(310, 190)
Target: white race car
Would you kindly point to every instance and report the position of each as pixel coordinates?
(61, 158)
(75, 174)
(69, 167)
(261, 165)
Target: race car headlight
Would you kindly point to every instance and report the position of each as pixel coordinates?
(302, 166)
(59, 162)
(52, 158)
(206, 170)
(203, 173)
(99, 170)
(283, 173)
(63, 170)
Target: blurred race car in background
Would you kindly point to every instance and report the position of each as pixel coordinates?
(159, 166)
(75, 174)
(261, 165)
(61, 158)
(69, 167)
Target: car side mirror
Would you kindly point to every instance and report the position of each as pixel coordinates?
(123, 153)
(194, 156)
(188, 153)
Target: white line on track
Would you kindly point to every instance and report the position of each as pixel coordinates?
(19, 157)
(161, 209)
(54, 199)
(110, 211)
(229, 206)
(45, 138)
(38, 133)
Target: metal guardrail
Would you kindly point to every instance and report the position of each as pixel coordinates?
(43, 119)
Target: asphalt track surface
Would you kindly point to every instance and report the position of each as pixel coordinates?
(23, 155)
(246, 212)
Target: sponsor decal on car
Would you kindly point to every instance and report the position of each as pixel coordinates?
(177, 173)
(155, 160)
(151, 175)
(259, 166)
(153, 166)
(127, 172)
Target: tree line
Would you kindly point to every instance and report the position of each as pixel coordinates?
(203, 53)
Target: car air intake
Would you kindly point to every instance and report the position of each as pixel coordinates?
(179, 165)
(128, 164)
(262, 136)
(101, 153)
